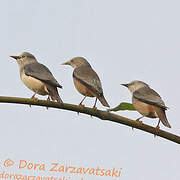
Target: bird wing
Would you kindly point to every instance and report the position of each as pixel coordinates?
(41, 72)
(87, 76)
(149, 96)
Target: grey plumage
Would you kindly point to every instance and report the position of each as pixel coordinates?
(89, 78)
(149, 96)
(41, 72)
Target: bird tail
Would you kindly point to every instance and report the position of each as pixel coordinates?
(103, 101)
(162, 116)
(53, 92)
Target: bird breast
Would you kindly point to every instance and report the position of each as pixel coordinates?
(82, 88)
(34, 84)
(144, 108)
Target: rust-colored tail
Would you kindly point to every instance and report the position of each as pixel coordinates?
(53, 92)
(103, 101)
(162, 116)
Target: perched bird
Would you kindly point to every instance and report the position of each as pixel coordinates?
(37, 77)
(148, 102)
(86, 80)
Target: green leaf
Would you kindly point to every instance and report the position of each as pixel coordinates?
(123, 106)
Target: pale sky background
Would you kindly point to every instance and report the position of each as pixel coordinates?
(123, 40)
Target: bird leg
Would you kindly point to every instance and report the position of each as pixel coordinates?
(48, 99)
(158, 127)
(80, 104)
(94, 107)
(138, 119)
(33, 97)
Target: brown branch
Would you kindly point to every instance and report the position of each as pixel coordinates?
(104, 115)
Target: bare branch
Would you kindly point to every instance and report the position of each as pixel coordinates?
(103, 115)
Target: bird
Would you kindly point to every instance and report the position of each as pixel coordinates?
(86, 80)
(148, 102)
(37, 77)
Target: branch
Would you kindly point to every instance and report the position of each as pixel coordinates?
(103, 115)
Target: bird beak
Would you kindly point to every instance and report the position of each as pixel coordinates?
(126, 85)
(66, 63)
(15, 57)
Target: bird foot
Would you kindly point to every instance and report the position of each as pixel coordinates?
(138, 120)
(95, 108)
(82, 105)
(48, 99)
(158, 127)
(34, 98)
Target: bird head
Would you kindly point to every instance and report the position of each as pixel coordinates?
(135, 85)
(76, 62)
(24, 58)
